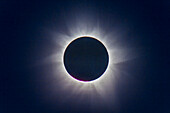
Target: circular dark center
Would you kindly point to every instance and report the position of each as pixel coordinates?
(86, 58)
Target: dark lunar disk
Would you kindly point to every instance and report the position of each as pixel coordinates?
(86, 58)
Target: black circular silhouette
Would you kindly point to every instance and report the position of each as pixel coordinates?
(86, 58)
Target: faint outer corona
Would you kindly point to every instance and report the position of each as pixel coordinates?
(86, 59)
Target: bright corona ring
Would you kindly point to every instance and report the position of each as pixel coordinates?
(86, 59)
(86, 62)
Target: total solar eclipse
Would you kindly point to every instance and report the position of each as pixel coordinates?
(86, 59)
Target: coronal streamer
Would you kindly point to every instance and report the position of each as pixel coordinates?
(99, 89)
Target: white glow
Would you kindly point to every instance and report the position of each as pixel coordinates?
(106, 79)
(104, 85)
(67, 42)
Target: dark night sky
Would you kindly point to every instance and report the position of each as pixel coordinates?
(23, 43)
